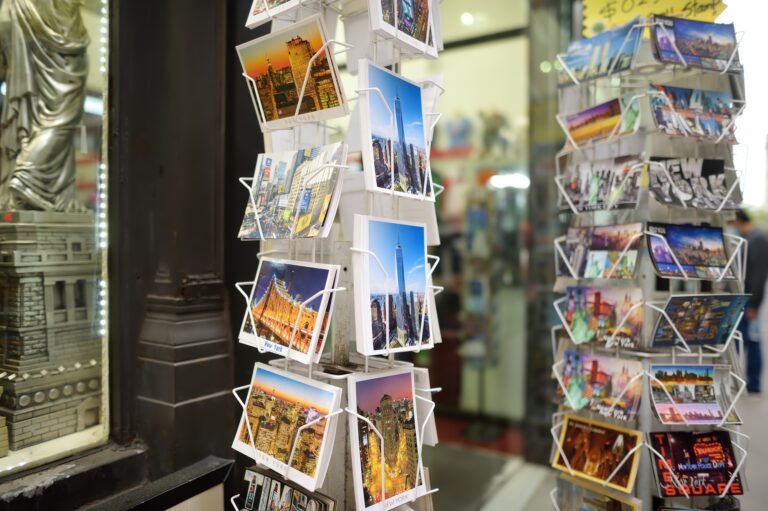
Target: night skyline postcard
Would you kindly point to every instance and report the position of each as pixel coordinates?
(700, 251)
(699, 319)
(397, 127)
(281, 288)
(701, 44)
(278, 65)
(387, 401)
(401, 249)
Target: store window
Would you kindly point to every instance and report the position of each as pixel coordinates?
(53, 226)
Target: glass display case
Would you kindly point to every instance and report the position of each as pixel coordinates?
(53, 230)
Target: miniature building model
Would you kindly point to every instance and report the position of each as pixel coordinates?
(50, 351)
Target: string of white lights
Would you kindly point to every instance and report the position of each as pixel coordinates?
(102, 233)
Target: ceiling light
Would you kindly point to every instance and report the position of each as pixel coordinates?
(467, 18)
(516, 180)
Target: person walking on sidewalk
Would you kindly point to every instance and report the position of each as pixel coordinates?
(754, 284)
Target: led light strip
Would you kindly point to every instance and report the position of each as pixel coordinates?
(102, 232)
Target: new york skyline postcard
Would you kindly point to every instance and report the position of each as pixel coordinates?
(386, 400)
(392, 287)
(280, 309)
(706, 319)
(278, 404)
(415, 30)
(703, 462)
(395, 158)
(595, 382)
(701, 44)
(278, 65)
(296, 193)
(595, 56)
(263, 11)
(695, 113)
(611, 316)
(598, 252)
(699, 250)
(694, 391)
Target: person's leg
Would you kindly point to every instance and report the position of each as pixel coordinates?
(754, 365)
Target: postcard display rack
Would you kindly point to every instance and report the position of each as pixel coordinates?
(340, 364)
(633, 73)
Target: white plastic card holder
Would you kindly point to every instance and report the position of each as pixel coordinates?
(423, 389)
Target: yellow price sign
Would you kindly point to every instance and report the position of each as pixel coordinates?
(602, 15)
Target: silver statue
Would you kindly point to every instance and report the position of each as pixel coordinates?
(44, 64)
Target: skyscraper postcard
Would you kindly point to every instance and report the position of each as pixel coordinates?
(696, 393)
(287, 323)
(391, 293)
(395, 157)
(415, 30)
(702, 461)
(296, 193)
(595, 450)
(699, 250)
(279, 65)
(595, 56)
(386, 400)
(595, 382)
(704, 45)
(279, 404)
(696, 113)
(601, 184)
(262, 11)
(612, 316)
(695, 183)
(707, 319)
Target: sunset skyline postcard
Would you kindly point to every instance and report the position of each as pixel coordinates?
(257, 55)
(292, 390)
(397, 386)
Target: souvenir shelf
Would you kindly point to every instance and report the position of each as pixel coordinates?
(649, 162)
(332, 247)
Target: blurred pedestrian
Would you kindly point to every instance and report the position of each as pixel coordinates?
(754, 284)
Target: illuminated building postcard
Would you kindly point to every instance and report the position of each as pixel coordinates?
(393, 309)
(288, 308)
(282, 64)
(706, 319)
(385, 445)
(283, 425)
(394, 142)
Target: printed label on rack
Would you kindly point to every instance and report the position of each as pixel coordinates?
(275, 348)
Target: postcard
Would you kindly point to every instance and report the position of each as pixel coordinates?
(598, 55)
(266, 490)
(607, 315)
(278, 406)
(574, 494)
(602, 184)
(391, 294)
(594, 450)
(262, 11)
(415, 31)
(279, 290)
(700, 319)
(696, 113)
(690, 394)
(699, 250)
(603, 120)
(386, 400)
(296, 193)
(279, 65)
(596, 252)
(701, 44)
(595, 382)
(395, 158)
(695, 183)
(702, 461)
